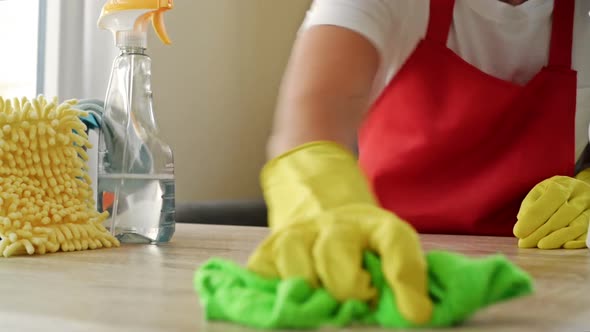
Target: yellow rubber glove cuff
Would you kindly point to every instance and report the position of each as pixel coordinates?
(311, 179)
(555, 214)
(324, 217)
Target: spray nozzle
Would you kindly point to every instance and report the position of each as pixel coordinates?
(128, 20)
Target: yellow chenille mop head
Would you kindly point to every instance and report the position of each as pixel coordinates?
(46, 200)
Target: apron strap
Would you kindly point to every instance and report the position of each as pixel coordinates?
(560, 52)
(441, 17)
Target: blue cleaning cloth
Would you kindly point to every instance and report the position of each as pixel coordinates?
(112, 136)
(95, 109)
(139, 158)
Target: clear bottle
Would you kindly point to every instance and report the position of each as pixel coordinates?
(136, 182)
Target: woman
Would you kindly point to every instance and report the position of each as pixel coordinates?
(470, 114)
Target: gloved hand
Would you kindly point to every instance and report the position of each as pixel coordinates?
(323, 217)
(555, 214)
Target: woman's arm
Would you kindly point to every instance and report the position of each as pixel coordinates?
(325, 90)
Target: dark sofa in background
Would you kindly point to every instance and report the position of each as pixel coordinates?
(238, 213)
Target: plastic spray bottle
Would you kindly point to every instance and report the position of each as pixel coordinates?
(136, 167)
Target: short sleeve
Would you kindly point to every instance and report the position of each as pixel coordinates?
(377, 20)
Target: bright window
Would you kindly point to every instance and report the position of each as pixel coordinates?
(19, 25)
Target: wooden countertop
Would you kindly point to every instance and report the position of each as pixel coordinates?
(149, 288)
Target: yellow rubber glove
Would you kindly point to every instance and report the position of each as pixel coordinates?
(555, 214)
(323, 217)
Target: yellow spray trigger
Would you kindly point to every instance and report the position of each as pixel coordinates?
(120, 15)
(158, 22)
(119, 5)
(157, 18)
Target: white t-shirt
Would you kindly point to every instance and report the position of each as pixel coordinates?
(509, 42)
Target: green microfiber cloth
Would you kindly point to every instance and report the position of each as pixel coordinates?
(458, 286)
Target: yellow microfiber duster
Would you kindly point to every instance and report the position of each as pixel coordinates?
(46, 200)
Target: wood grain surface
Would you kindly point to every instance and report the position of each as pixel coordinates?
(149, 288)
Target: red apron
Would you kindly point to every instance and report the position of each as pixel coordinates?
(451, 149)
